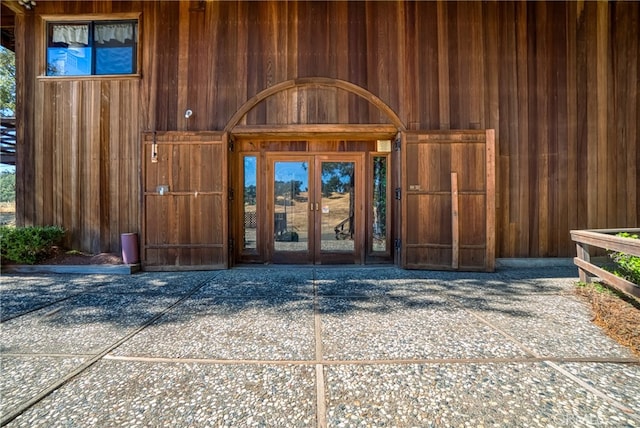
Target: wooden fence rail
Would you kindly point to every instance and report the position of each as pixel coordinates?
(605, 238)
(8, 140)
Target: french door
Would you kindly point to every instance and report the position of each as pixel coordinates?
(315, 203)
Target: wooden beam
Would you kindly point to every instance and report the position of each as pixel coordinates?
(316, 131)
(311, 82)
(14, 7)
(619, 283)
(490, 160)
(455, 224)
(610, 242)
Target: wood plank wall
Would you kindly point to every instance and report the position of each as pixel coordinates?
(87, 169)
(558, 81)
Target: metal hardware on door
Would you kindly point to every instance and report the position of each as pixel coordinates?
(317, 206)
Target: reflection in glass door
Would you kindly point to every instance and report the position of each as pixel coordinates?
(337, 222)
(316, 209)
(250, 205)
(291, 206)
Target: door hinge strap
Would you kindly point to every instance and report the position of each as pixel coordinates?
(230, 192)
(397, 142)
(398, 193)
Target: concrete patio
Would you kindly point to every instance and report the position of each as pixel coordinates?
(310, 346)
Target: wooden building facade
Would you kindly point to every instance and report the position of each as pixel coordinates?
(430, 134)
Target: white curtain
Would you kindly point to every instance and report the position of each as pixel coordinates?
(120, 32)
(71, 34)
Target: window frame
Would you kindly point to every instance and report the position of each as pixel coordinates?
(89, 19)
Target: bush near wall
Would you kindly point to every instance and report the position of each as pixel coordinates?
(627, 266)
(27, 245)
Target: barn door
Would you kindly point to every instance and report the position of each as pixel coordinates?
(448, 200)
(185, 201)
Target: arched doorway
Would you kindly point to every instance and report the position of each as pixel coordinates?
(310, 177)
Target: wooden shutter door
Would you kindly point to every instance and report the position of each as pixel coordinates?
(185, 201)
(448, 200)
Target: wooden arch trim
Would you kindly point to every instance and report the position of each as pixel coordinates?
(304, 82)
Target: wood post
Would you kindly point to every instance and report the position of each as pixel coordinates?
(582, 251)
(455, 225)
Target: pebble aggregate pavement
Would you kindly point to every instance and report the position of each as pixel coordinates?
(311, 346)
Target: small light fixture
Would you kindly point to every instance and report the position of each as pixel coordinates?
(28, 4)
(187, 114)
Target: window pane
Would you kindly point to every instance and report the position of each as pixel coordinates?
(115, 46)
(68, 50)
(122, 32)
(338, 207)
(291, 215)
(379, 203)
(86, 48)
(250, 203)
(74, 61)
(115, 60)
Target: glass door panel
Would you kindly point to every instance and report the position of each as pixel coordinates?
(250, 205)
(291, 206)
(379, 205)
(337, 223)
(316, 209)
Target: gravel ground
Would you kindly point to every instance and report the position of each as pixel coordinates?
(24, 377)
(165, 395)
(310, 346)
(230, 329)
(515, 394)
(415, 327)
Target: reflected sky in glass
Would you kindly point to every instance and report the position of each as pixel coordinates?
(288, 171)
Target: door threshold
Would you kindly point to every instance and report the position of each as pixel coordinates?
(310, 266)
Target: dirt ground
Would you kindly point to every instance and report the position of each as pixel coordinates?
(59, 256)
(617, 314)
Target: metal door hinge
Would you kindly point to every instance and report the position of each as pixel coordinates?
(398, 193)
(398, 244)
(231, 244)
(231, 143)
(397, 142)
(230, 192)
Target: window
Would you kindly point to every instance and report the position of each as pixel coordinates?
(92, 48)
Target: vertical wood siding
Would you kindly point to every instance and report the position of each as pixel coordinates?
(87, 161)
(558, 81)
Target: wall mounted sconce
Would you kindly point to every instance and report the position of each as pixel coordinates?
(28, 4)
(154, 153)
(188, 114)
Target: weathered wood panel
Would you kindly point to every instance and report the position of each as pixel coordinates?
(558, 81)
(449, 200)
(85, 167)
(185, 201)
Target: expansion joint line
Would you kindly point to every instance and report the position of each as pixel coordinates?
(95, 358)
(552, 364)
(321, 403)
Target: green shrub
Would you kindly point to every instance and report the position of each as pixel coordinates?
(28, 244)
(627, 266)
(7, 187)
